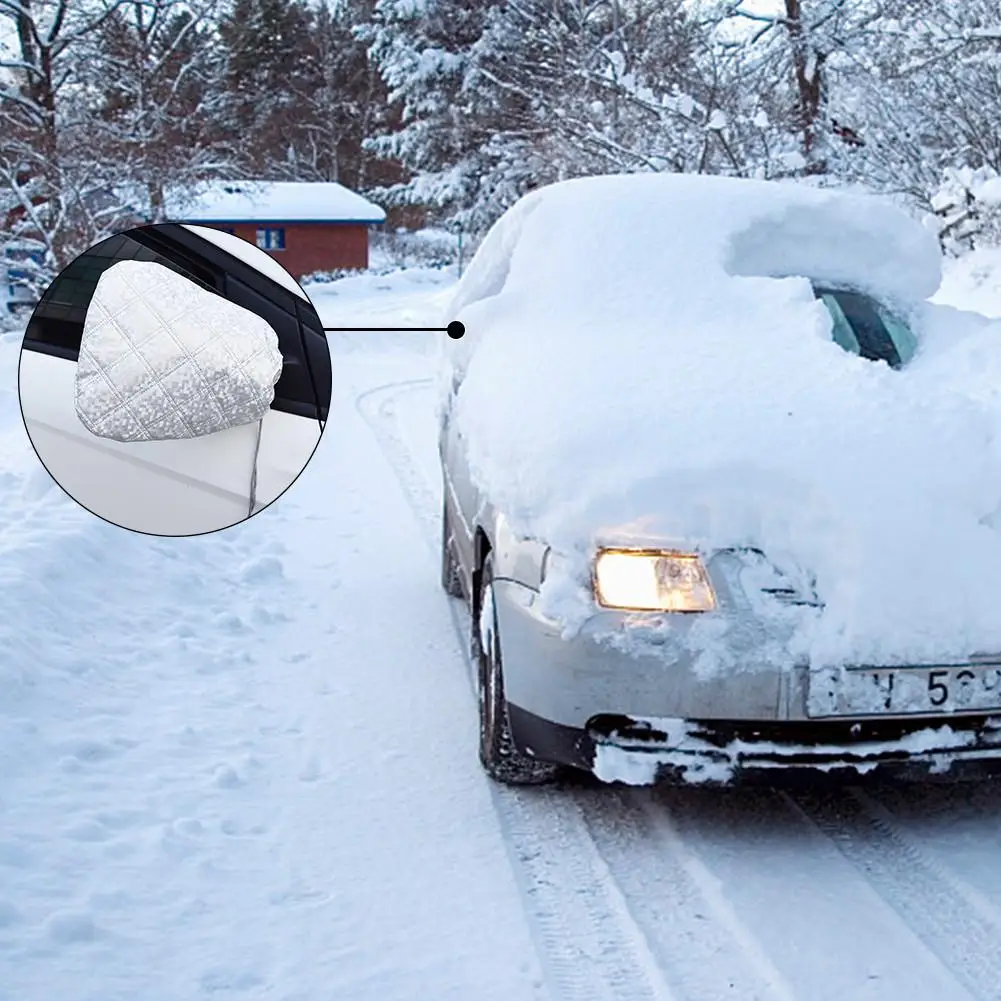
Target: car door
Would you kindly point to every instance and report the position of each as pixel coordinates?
(484, 280)
(177, 487)
(460, 494)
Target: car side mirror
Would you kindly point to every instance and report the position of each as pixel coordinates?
(162, 358)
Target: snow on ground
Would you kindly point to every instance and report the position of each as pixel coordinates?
(244, 766)
(973, 282)
(242, 763)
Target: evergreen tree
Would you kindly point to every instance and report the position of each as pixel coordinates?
(498, 98)
(267, 45)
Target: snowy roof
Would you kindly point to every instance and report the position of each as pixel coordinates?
(272, 201)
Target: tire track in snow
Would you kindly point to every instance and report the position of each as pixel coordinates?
(882, 816)
(678, 903)
(589, 944)
(927, 899)
(374, 406)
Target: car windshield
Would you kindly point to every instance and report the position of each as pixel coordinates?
(865, 327)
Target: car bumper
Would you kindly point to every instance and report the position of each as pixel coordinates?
(644, 751)
(644, 718)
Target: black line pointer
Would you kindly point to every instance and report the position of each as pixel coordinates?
(454, 330)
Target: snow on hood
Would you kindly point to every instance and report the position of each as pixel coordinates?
(644, 361)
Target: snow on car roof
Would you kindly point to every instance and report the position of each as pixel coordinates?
(660, 241)
(272, 201)
(629, 374)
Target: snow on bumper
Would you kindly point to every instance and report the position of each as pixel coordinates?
(687, 752)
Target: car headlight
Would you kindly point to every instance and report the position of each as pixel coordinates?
(645, 580)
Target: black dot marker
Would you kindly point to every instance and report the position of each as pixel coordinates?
(454, 330)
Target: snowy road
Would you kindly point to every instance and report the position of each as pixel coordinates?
(245, 766)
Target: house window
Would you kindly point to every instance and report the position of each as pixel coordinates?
(271, 239)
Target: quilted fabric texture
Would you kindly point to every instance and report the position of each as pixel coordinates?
(162, 358)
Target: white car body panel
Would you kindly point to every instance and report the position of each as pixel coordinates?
(180, 487)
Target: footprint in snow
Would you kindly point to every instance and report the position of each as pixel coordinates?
(69, 928)
(227, 777)
(188, 827)
(94, 751)
(230, 980)
(119, 820)
(265, 616)
(181, 838)
(263, 570)
(9, 915)
(234, 829)
(311, 769)
(88, 830)
(230, 622)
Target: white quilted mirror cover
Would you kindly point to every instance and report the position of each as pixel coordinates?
(162, 358)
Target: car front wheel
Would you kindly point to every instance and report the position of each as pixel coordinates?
(500, 757)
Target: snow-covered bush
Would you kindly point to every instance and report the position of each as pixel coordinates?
(403, 248)
(967, 210)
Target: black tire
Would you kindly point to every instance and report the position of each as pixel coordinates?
(501, 760)
(451, 581)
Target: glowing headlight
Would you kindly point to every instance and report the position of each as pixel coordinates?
(644, 580)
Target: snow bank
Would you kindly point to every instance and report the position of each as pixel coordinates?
(973, 281)
(644, 363)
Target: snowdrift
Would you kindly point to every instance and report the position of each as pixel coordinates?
(646, 362)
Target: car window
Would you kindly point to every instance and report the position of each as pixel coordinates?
(865, 327)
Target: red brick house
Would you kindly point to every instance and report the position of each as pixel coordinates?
(306, 226)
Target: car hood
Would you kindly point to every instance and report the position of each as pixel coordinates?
(900, 549)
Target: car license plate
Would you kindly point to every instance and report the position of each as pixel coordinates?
(874, 691)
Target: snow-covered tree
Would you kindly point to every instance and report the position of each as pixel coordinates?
(498, 98)
(343, 101)
(271, 65)
(794, 75)
(54, 191)
(967, 209)
(107, 102)
(933, 97)
(157, 77)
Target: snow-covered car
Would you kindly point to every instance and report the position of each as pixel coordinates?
(721, 486)
(138, 379)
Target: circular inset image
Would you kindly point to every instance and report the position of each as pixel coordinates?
(174, 380)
